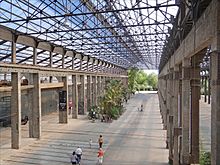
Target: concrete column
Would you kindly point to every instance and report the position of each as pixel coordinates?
(80, 66)
(94, 90)
(35, 115)
(205, 90)
(209, 89)
(51, 60)
(98, 88)
(171, 109)
(215, 108)
(82, 98)
(103, 84)
(63, 114)
(13, 51)
(185, 111)
(34, 56)
(73, 67)
(175, 114)
(74, 97)
(63, 61)
(195, 94)
(15, 110)
(89, 92)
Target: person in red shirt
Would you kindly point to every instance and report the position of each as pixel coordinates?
(100, 156)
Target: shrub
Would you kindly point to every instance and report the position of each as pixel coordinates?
(205, 158)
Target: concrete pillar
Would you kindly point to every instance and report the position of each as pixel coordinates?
(80, 66)
(82, 96)
(209, 89)
(51, 60)
(15, 110)
(73, 67)
(35, 114)
(34, 56)
(195, 95)
(63, 61)
(94, 84)
(205, 90)
(98, 88)
(74, 97)
(185, 111)
(63, 113)
(13, 50)
(171, 113)
(89, 92)
(215, 108)
(175, 114)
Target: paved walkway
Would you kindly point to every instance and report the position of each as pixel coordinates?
(136, 138)
(205, 125)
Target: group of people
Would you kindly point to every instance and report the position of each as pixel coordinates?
(77, 154)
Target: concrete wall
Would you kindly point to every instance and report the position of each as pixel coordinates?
(49, 102)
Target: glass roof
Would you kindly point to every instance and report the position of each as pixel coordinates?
(126, 33)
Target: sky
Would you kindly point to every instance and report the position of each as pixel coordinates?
(151, 71)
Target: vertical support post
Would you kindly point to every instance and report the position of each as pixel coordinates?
(89, 94)
(51, 60)
(73, 67)
(13, 50)
(175, 115)
(195, 94)
(63, 61)
(74, 97)
(34, 56)
(205, 90)
(80, 66)
(185, 110)
(98, 88)
(209, 89)
(82, 94)
(94, 90)
(63, 113)
(35, 116)
(215, 108)
(15, 110)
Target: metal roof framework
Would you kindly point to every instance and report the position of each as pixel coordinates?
(126, 33)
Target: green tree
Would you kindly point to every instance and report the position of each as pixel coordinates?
(111, 103)
(141, 80)
(152, 80)
(132, 73)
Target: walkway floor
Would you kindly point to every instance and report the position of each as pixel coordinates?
(205, 125)
(136, 138)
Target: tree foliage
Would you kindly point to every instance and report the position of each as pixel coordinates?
(139, 80)
(152, 80)
(111, 103)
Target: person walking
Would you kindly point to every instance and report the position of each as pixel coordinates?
(142, 107)
(78, 154)
(100, 141)
(73, 158)
(100, 156)
(90, 143)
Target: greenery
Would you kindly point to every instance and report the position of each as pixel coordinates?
(205, 158)
(139, 80)
(94, 112)
(111, 103)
